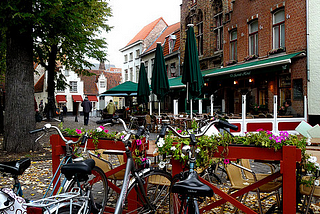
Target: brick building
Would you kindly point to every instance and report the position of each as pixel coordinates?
(263, 43)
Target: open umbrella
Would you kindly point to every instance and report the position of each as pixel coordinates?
(159, 81)
(191, 68)
(143, 86)
(127, 87)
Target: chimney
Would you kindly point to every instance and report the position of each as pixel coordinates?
(102, 66)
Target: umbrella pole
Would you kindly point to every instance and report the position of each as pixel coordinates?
(159, 107)
(191, 108)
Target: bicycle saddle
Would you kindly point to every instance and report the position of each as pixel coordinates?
(81, 169)
(192, 186)
(15, 167)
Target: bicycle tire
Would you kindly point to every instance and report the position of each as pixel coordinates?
(99, 187)
(157, 186)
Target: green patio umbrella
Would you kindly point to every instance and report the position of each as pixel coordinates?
(127, 87)
(191, 75)
(143, 86)
(159, 81)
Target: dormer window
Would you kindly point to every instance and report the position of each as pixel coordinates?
(102, 84)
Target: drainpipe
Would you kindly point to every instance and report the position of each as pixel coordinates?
(307, 24)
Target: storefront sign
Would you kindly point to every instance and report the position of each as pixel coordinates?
(241, 74)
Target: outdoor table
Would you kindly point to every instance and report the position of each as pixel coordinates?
(288, 156)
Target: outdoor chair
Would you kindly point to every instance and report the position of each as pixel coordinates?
(246, 163)
(103, 161)
(238, 182)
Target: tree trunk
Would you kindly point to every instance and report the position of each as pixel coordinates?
(19, 107)
(50, 82)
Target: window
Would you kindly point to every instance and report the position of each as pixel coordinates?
(131, 74)
(173, 69)
(218, 32)
(172, 42)
(253, 38)
(137, 53)
(200, 34)
(278, 29)
(66, 72)
(131, 56)
(73, 86)
(102, 84)
(126, 75)
(126, 58)
(233, 45)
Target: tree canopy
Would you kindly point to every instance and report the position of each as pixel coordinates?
(64, 31)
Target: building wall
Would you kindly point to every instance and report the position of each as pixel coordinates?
(314, 62)
(131, 64)
(211, 57)
(247, 10)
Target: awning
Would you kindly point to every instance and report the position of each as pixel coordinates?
(127, 87)
(176, 83)
(77, 98)
(263, 63)
(92, 98)
(61, 98)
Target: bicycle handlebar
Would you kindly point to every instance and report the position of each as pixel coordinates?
(219, 123)
(49, 126)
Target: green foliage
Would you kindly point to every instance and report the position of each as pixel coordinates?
(207, 146)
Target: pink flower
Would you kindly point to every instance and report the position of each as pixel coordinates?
(101, 127)
(139, 142)
(259, 130)
(143, 159)
(106, 130)
(268, 132)
(78, 131)
(179, 131)
(226, 161)
(122, 136)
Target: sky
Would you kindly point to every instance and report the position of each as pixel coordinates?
(130, 16)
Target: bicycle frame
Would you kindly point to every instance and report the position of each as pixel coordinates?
(130, 171)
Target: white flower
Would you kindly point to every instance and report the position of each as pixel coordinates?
(197, 150)
(160, 143)
(99, 129)
(162, 164)
(312, 159)
(182, 155)
(173, 148)
(316, 182)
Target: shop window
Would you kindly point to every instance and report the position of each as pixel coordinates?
(285, 88)
(253, 38)
(233, 45)
(278, 29)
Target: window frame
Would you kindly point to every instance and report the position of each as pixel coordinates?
(233, 45)
(73, 86)
(253, 38)
(278, 41)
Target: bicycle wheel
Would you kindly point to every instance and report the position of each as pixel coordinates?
(157, 187)
(99, 188)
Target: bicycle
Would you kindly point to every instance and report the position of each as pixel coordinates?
(84, 188)
(186, 188)
(144, 190)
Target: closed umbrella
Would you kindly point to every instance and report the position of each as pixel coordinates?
(159, 81)
(192, 76)
(143, 86)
